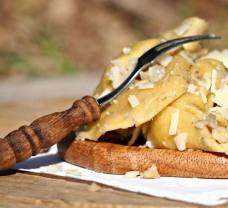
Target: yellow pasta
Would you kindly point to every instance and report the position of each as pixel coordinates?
(180, 102)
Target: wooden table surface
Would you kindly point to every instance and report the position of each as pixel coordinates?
(21, 189)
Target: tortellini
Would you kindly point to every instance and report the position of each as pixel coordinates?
(180, 102)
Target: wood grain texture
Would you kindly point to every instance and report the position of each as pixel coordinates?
(23, 190)
(119, 159)
(45, 131)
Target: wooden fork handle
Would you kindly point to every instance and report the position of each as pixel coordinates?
(46, 131)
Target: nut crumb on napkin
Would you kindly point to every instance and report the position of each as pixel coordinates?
(72, 172)
(150, 173)
(54, 168)
(132, 174)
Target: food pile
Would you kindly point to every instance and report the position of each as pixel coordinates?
(179, 102)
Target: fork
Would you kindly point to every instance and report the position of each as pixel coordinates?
(48, 130)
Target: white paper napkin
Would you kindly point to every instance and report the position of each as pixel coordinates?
(201, 191)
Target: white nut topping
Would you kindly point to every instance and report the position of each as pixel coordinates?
(222, 111)
(221, 97)
(220, 134)
(165, 59)
(133, 100)
(213, 80)
(132, 174)
(174, 122)
(219, 55)
(144, 84)
(150, 173)
(149, 144)
(156, 73)
(126, 50)
(192, 89)
(180, 141)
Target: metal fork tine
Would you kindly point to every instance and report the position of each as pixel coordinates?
(166, 46)
(148, 58)
(184, 40)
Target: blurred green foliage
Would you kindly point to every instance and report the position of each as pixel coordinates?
(50, 60)
(50, 49)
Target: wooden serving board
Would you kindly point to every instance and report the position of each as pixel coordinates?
(21, 189)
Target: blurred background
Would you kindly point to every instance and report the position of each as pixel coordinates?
(55, 38)
(59, 48)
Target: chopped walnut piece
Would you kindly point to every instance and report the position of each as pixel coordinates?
(144, 84)
(220, 134)
(180, 141)
(149, 144)
(213, 80)
(192, 89)
(174, 122)
(133, 100)
(165, 59)
(219, 55)
(132, 174)
(208, 120)
(221, 97)
(150, 173)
